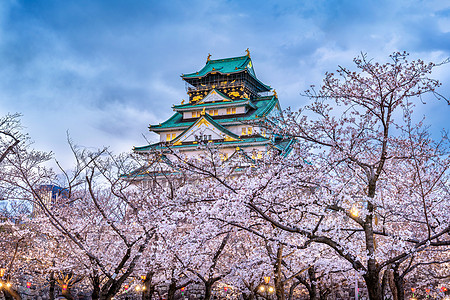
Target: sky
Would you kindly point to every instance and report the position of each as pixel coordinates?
(102, 71)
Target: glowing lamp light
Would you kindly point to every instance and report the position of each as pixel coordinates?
(143, 277)
(443, 289)
(354, 212)
(138, 288)
(8, 285)
(182, 290)
(28, 284)
(64, 287)
(413, 290)
(225, 288)
(1, 284)
(126, 287)
(271, 289)
(262, 288)
(267, 279)
(427, 291)
(2, 272)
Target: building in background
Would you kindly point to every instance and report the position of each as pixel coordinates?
(49, 195)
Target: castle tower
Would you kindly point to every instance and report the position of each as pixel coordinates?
(226, 100)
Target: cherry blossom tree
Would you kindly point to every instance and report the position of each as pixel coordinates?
(374, 175)
(364, 179)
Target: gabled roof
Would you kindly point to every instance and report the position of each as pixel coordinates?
(206, 118)
(215, 95)
(263, 106)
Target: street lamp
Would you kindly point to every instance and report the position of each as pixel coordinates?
(2, 272)
(266, 288)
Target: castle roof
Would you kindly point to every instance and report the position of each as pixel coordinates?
(263, 106)
(227, 66)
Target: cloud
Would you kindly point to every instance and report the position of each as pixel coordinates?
(105, 70)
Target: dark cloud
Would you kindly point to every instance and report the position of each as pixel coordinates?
(104, 70)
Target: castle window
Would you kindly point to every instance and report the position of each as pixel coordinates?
(173, 135)
(247, 131)
(196, 114)
(213, 112)
(231, 110)
(257, 155)
(168, 137)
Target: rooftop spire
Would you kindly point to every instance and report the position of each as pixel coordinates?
(248, 52)
(209, 57)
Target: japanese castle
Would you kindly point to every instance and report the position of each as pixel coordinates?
(226, 101)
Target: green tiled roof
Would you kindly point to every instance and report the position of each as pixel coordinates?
(215, 104)
(264, 106)
(241, 143)
(227, 66)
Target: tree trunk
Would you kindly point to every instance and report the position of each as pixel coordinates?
(51, 290)
(208, 288)
(149, 288)
(373, 284)
(278, 280)
(384, 283)
(398, 280)
(392, 285)
(372, 276)
(172, 290)
(95, 287)
(313, 295)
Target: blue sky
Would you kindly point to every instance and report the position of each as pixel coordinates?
(104, 70)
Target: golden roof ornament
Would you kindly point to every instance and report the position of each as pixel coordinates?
(203, 111)
(209, 57)
(248, 52)
(275, 93)
(182, 101)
